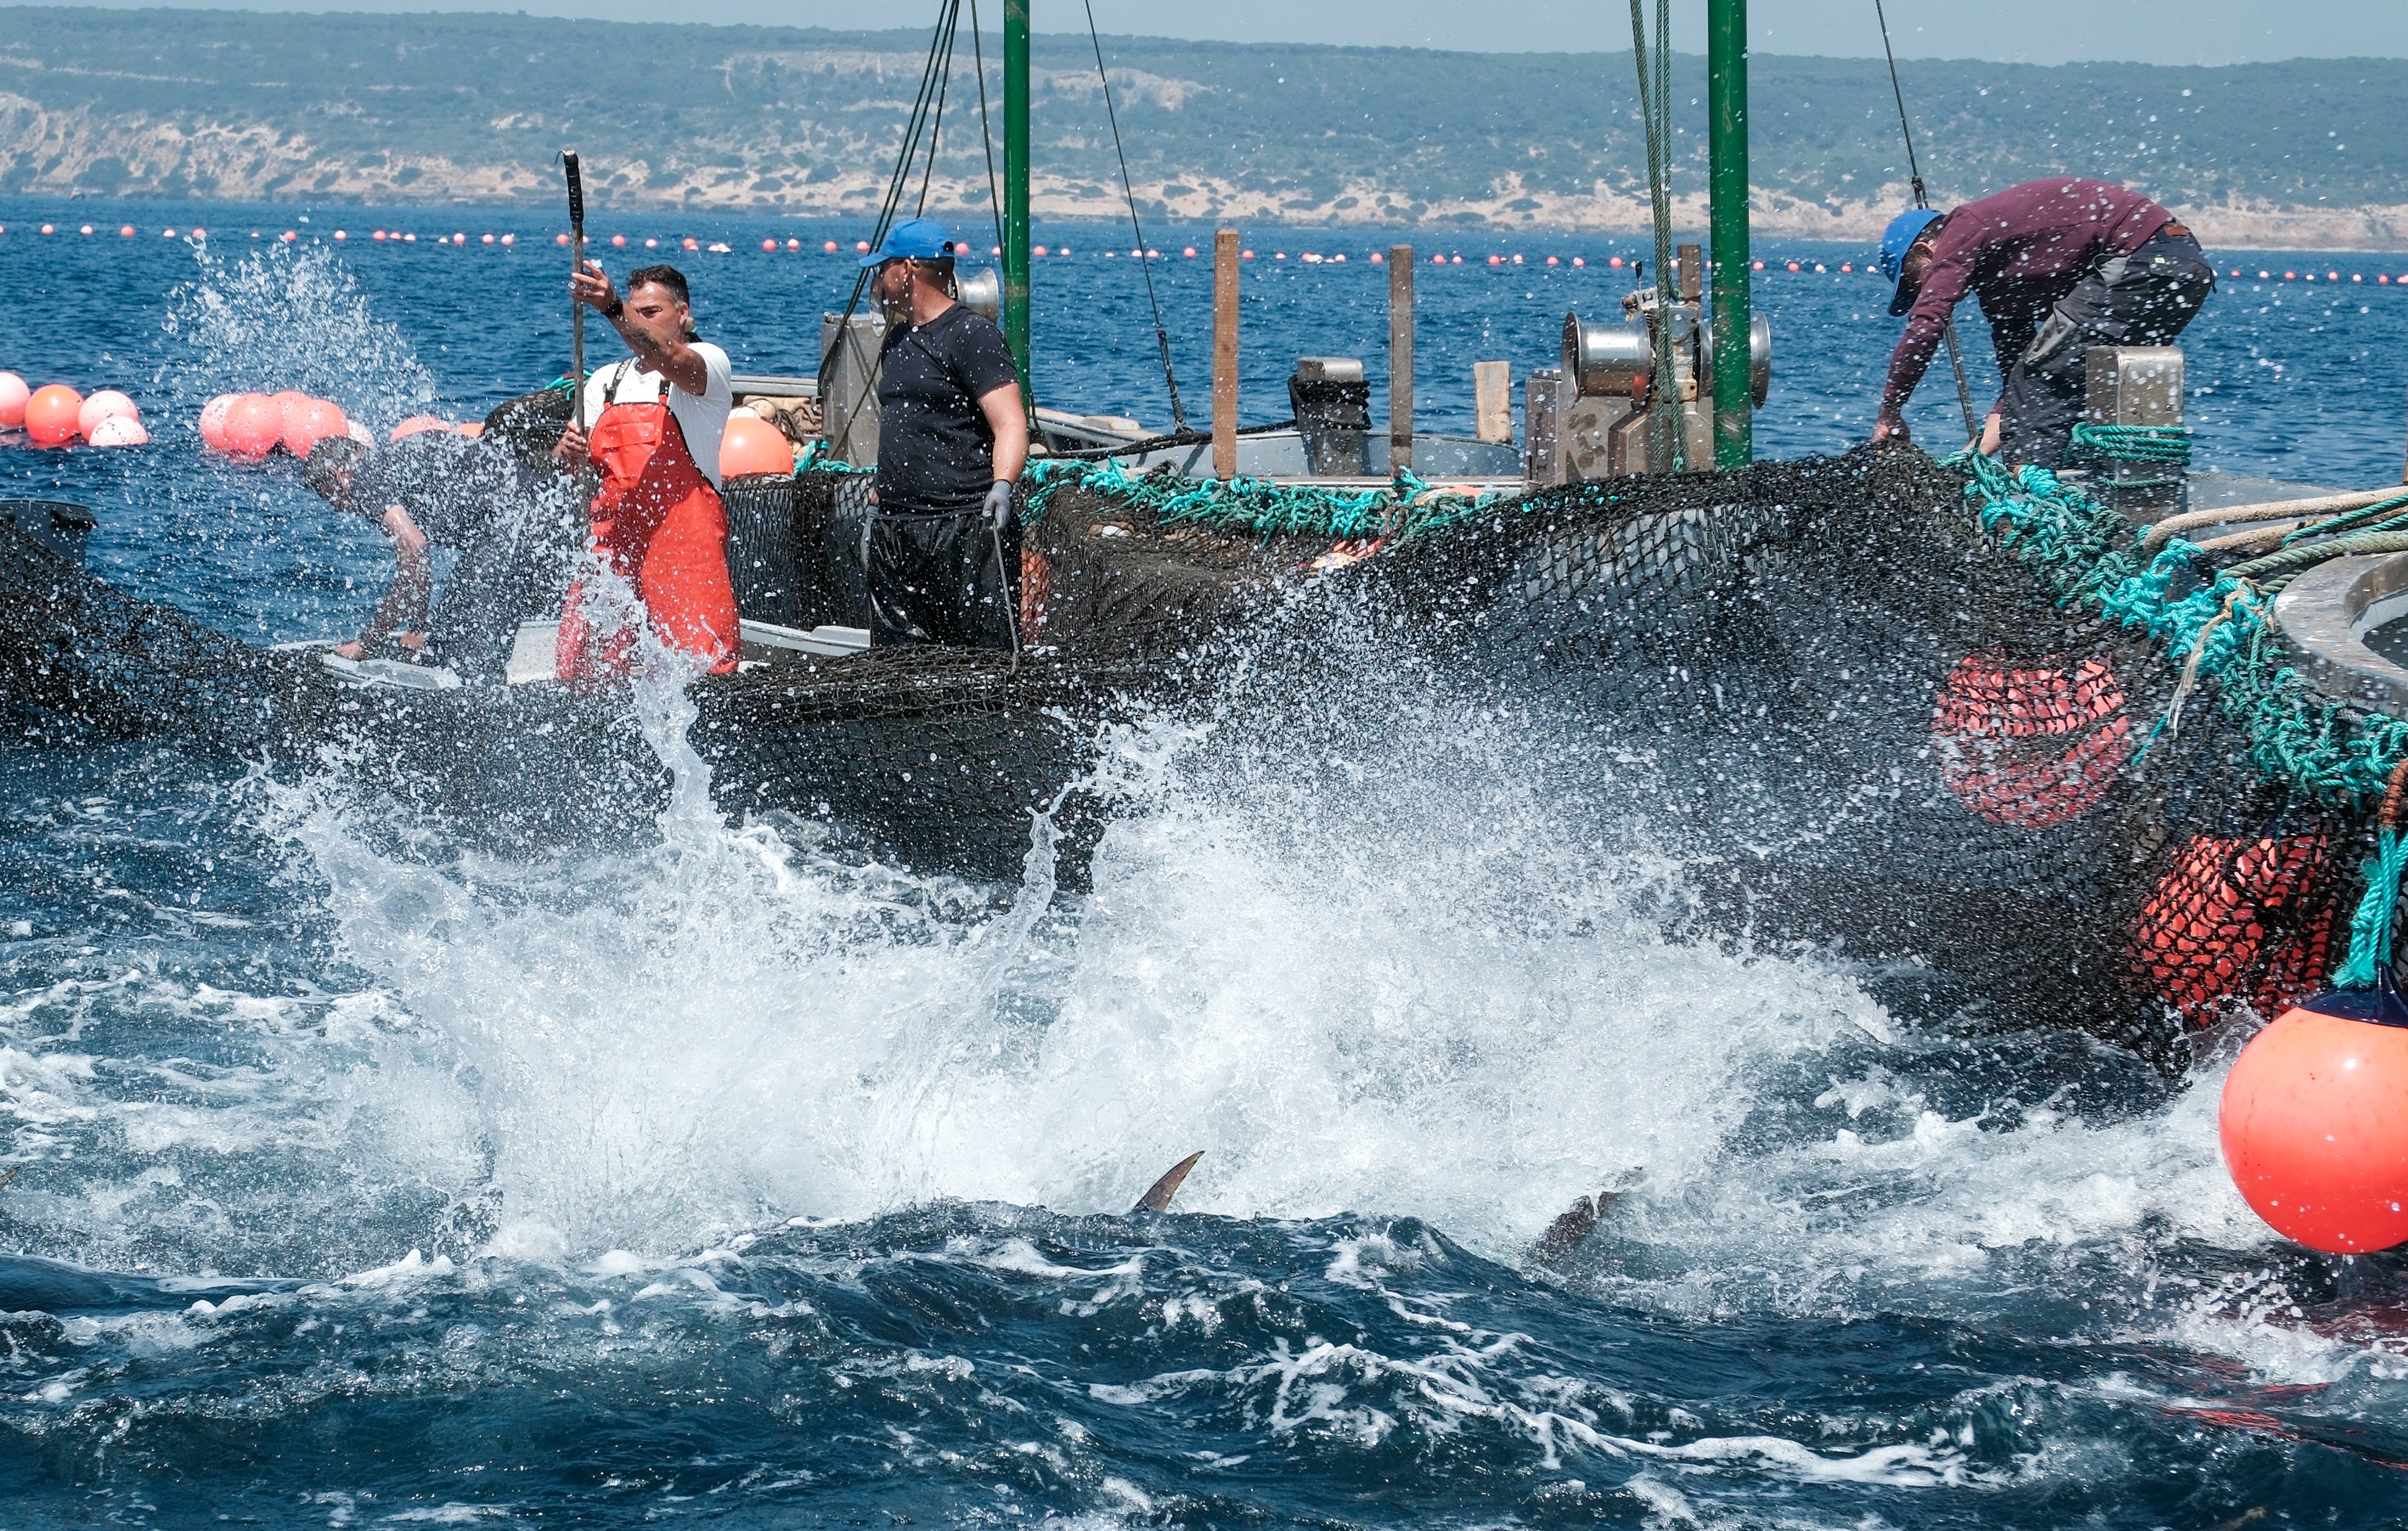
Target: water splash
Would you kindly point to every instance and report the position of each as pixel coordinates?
(289, 316)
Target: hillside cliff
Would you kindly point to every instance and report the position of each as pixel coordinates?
(473, 108)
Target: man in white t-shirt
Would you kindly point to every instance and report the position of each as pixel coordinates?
(654, 423)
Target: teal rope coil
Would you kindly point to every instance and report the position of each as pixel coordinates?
(2224, 631)
(2169, 444)
(2166, 446)
(1405, 507)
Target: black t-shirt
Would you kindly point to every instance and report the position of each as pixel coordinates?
(936, 450)
(433, 477)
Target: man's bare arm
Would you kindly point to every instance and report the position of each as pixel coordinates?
(1010, 424)
(404, 607)
(675, 359)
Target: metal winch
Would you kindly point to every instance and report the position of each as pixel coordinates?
(1597, 416)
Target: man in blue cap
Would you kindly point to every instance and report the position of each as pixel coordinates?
(2058, 267)
(942, 548)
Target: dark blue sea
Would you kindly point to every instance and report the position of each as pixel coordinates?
(366, 1179)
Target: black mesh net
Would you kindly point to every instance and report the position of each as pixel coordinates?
(1866, 727)
(1860, 724)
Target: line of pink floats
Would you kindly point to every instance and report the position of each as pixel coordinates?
(250, 427)
(55, 415)
(831, 247)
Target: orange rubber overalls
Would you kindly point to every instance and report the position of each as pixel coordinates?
(659, 525)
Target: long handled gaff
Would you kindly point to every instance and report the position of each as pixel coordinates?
(575, 266)
(1915, 176)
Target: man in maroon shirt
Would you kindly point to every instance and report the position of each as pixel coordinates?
(2058, 267)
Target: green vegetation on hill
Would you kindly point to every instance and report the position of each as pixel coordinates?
(474, 107)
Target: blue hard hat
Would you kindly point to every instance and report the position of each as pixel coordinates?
(1895, 241)
(914, 238)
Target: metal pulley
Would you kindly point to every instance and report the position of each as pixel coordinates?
(1601, 359)
(1759, 357)
(982, 293)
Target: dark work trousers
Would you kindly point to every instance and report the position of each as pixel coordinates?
(515, 566)
(943, 579)
(2142, 299)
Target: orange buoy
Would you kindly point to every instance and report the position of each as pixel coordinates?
(50, 415)
(1614, 262)
(13, 394)
(2238, 918)
(251, 428)
(2313, 1121)
(118, 431)
(107, 404)
(752, 445)
(472, 429)
(2030, 746)
(310, 423)
(416, 423)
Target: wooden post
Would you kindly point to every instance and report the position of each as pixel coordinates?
(1492, 394)
(1225, 354)
(1400, 357)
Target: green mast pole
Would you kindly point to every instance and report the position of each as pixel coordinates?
(1015, 187)
(1726, 150)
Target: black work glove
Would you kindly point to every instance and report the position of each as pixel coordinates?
(999, 505)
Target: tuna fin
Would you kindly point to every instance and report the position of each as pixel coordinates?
(13, 1171)
(1567, 1234)
(1158, 1198)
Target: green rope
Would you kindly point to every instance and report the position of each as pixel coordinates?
(2224, 631)
(816, 457)
(2292, 559)
(1259, 508)
(2369, 928)
(2169, 444)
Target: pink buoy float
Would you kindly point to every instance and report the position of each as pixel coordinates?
(13, 394)
(107, 404)
(118, 431)
(416, 423)
(251, 428)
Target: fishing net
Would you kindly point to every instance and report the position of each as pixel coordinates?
(1877, 719)
(2014, 766)
(936, 758)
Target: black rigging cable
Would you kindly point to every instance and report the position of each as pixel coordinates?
(948, 35)
(1655, 109)
(1161, 336)
(986, 125)
(928, 99)
(1914, 180)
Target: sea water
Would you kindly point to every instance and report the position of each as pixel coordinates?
(367, 1179)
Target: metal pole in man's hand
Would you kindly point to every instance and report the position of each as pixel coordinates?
(576, 268)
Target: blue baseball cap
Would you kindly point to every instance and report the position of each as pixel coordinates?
(914, 239)
(1895, 241)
